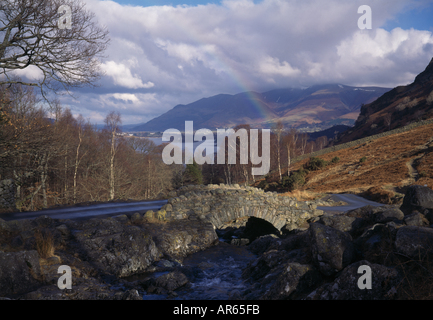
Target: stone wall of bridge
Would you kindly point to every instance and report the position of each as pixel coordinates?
(220, 204)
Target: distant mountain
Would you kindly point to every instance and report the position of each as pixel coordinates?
(396, 108)
(321, 105)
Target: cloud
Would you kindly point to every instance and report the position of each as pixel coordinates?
(31, 72)
(273, 66)
(181, 54)
(121, 75)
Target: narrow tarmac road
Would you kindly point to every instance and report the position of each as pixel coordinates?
(90, 211)
(353, 202)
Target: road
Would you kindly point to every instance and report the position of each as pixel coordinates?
(90, 211)
(353, 202)
(113, 209)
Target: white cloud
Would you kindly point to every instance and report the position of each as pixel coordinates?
(125, 97)
(191, 52)
(31, 72)
(121, 75)
(273, 66)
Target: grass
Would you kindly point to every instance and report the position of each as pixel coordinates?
(416, 272)
(44, 243)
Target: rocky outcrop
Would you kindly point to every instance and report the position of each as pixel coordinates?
(345, 286)
(100, 253)
(419, 199)
(322, 259)
(328, 260)
(404, 104)
(19, 272)
(113, 247)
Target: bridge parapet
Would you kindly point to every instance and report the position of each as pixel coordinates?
(220, 204)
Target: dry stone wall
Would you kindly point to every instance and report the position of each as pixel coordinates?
(220, 204)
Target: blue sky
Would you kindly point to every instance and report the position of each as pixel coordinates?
(163, 54)
(147, 3)
(420, 18)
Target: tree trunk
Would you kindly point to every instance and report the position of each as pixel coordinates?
(288, 160)
(76, 165)
(66, 174)
(44, 175)
(279, 163)
(112, 165)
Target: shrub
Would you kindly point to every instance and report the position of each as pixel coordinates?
(315, 164)
(363, 159)
(296, 180)
(263, 185)
(335, 160)
(193, 174)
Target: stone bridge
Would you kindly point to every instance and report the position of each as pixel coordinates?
(220, 204)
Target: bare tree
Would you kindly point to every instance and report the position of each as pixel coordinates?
(30, 36)
(303, 141)
(290, 139)
(278, 130)
(321, 142)
(113, 122)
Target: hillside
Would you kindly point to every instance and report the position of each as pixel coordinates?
(322, 105)
(391, 164)
(396, 108)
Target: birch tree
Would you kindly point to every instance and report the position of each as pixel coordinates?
(112, 122)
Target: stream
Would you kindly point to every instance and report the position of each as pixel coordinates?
(221, 267)
(217, 274)
(218, 269)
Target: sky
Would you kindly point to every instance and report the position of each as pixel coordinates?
(169, 52)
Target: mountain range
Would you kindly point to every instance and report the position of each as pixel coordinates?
(320, 106)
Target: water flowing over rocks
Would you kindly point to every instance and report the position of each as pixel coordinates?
(307, 255)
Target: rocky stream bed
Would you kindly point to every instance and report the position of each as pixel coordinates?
(137, 257)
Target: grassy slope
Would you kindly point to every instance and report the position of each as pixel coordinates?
(393, 163)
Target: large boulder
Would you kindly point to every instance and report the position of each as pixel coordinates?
(331, 249)
(20, 272)
(376, 243)
(113, 247)
(416, 219)
(345, 287)
(262, 244)
(171, 281)
(414, 242)
(340, 222)
(389, 214)
(293, 282)
(417, 198)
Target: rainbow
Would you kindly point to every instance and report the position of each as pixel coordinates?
(242, 83)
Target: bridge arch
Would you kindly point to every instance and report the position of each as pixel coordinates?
(220, 204)
(220, 217)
